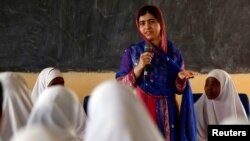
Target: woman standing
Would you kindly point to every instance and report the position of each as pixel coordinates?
(156, 69)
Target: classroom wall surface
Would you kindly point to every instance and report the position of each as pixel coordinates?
(84, 83)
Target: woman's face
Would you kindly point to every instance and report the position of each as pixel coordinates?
(212, 88)
(150, 27)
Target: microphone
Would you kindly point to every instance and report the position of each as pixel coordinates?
(146, 68)
(147, 48)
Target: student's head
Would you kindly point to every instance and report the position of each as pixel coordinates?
(56, 108)
(118, 115)
(219, 84)
(48, 77)
(53, 76)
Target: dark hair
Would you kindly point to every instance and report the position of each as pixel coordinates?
(1, 99)
(149, 9)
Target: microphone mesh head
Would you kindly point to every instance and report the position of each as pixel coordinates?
(147, 48)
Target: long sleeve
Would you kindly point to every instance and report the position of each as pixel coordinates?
(180, 84)
(126, 74)
(128, 79)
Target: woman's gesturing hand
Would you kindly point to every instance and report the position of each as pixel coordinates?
(187, 74)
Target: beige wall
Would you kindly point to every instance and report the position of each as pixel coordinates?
(83, 83)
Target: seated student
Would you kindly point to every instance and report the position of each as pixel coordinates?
(58, 109)
(17, 104)
(219, 101)
(48, 77)
(116, 114)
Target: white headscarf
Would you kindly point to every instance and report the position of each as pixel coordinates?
(232, 120)
(43, 80)
(214, 111)
(17, 104)
(57, 109)
(35, 133)
(81, 122)
(116, 114)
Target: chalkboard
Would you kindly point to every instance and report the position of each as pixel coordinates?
(90, 35)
